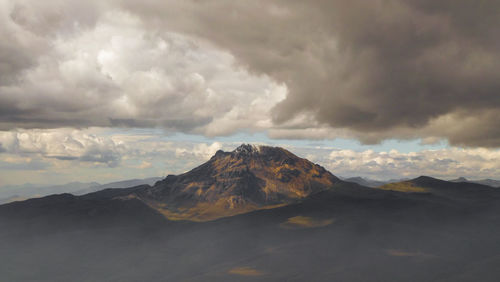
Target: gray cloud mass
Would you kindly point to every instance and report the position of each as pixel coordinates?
(371, 69)
(379, 68)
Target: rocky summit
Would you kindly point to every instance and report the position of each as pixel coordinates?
(249, 178)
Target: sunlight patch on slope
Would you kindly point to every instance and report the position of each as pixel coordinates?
(206, 211)
(406, 187)
(298, 222)
(245, 271)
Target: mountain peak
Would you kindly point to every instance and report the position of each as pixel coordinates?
(243, 150)
(247, 149)
(263, 153)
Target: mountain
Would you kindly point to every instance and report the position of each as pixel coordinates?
(118, 184)
(460, 179)
(366, 182)
(33, 190)
(489, 182)
(11, 199)
(26, 191)
(246, 179)
(249, 178)
(461, 192)
(267, 215)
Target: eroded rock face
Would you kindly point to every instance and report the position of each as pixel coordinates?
(248, 178)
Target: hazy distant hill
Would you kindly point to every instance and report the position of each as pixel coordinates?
(118, 184)
(365, 181)
(12, 199)
(370, 182)
(489, 182)
(33, 190)
(26, 191)
(301, 224)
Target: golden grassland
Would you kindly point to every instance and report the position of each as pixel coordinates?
(298, 222)
(245, 271)
(206, 211)
(405, 186)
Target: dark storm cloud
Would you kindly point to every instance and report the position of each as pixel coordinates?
(378, 67)
(187, 124)
(374, 69)
(12, 61)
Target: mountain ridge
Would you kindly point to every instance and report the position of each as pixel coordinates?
(385, 234)
(254, 177)
(27, 191)
(486, 181)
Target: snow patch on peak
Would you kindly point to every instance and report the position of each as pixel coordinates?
(248, 149)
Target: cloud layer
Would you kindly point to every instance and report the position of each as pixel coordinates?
(53, 156)
(64, 155)
(364, 69)
(63, 145)
(77, 65)
(377, 69)
(443, 163)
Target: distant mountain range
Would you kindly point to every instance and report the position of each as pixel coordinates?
(257, 213)
(489, 182)
(377, 183)
(26, 191)
(370, 182)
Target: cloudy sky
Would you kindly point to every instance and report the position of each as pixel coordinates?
(118, 89)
